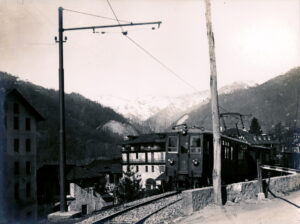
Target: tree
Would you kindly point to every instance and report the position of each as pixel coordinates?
(255, 127)
(129, 187)
(279, 131)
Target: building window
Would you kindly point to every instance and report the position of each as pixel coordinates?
(28, 145)
(136, 155)
(16, 191)
(28, 168)
(146, 169)
(124, 157)
(28, 190)
(195, 144)
(16, 123)
(152, 169)
(16, 108)
(16, 168)
(149, 158)
(173, 144)
(161, 169)
(227, 153)
(137, 168)
(27, 124)
(16, 145)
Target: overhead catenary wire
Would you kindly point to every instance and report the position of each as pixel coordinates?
(94, 15)
(160, 62)
(127, 30)
(115, 15)
(170, 70)
(157, 60)
(125, 34)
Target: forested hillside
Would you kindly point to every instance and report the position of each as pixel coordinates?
(84, 138)
(274, 101)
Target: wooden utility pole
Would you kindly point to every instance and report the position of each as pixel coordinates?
(214, 108)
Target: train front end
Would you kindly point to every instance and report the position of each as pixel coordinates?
(184, 156)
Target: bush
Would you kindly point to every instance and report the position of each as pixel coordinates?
(129, 188)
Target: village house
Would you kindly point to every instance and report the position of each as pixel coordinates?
(87, 191)
(145, 155)
(19, 154)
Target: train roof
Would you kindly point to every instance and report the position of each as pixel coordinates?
(161, 138)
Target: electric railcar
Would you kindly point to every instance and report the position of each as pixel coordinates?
(189, 158)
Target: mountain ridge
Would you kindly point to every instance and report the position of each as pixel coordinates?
(271, 102)
(83, 116)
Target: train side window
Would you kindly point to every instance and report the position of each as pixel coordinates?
(195, 144)
(231, 152)
(173, 144)
(227, 153)
(206, 149)
(241, 155)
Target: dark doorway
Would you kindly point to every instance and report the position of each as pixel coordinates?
(84, 209)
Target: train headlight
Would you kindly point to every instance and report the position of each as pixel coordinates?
(171, 162)
(195, 162)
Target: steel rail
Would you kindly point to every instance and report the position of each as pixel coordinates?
(110, 217)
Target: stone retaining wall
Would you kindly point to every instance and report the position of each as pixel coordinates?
(196, 199)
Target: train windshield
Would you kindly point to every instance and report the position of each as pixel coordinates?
(172, 144)
(195, 144)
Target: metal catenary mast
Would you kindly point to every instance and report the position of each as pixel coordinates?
(62, 133)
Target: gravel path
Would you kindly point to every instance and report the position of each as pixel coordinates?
(167, 214)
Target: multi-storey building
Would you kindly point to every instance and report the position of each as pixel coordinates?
(19, 157)
(145, 155)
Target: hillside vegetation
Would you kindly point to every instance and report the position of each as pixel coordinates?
(83, 139)
(274, 101)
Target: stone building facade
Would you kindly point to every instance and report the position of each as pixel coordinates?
(145, 155)
(19, 155)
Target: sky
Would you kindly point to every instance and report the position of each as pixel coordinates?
(256, 40)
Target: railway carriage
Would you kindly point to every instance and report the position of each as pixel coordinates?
(183, 158)
(189, 158)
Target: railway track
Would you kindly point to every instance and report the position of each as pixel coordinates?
(139, 213)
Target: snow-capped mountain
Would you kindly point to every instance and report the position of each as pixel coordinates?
(141, 109)
(138, 108)
(175, 112)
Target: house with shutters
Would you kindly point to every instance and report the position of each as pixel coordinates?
(146, 156)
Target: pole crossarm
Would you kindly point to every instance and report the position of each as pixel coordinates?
(62, 134)
(111, 26)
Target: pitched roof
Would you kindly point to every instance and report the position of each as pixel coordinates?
(17, 94)
(105, 166)
(251, 138)
(82, 173)
(146, 138)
